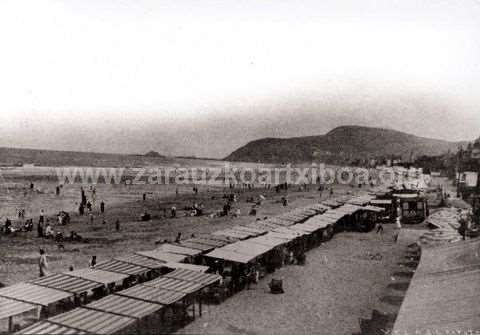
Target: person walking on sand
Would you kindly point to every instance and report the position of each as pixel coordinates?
(42, 216)
(93, 262)
(42, 263)
(102, 207)
(379, 229)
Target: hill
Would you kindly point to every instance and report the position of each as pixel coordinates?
(152, 153)
(344, 144)
(16, 156)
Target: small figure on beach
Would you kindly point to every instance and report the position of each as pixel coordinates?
(93, 262)
(102, 207)
(178, 238)
(42, 264)
(379, 229)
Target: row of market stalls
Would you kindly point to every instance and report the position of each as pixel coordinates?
(59, 292)
(124, 290)
(133, 309)
(294, 233)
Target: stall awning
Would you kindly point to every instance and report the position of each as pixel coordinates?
(194, 245)
(248, 248)
(381, 202)
(238, 234)
(99, 276)
(152, 294)
(68, 283)
(307, 228)
(360, 201)
(125, 306)
(231, 256)
(331, 203)
(177, 249)
(92, 321)
(269, 241)
(193, 267)
(122, 267)
(9, 307)
(207, 242)
(173, 284)
(34, 294)
(48, 328)
(289, 231)
(256, 231)
(319, 223)
(142, 261)
(163, 255)
(375, 209)
(204, 279)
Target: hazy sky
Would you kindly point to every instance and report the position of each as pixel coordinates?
(204, 77)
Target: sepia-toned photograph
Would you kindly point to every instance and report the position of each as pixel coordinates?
(247, 167)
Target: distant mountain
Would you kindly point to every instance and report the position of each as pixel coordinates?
(152, 153)
(16, 156)
(341, 145)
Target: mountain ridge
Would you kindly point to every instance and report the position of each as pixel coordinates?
(342, 144)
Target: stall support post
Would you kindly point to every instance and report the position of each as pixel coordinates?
(10, 324)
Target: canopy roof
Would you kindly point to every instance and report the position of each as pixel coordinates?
(99, 276)
(34, 294)
(152, 294)
(178, 249)
(68, 283)
(92, 321)
(114, 265)
(9, 307)
(142, 261)
(163, 255)
(47, 328)
(124, 306)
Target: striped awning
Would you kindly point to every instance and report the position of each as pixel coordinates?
(253, 230)
(67, 283)
(269, 241)
(194, 245)
(143, 261)
(34, 294)
(173, 284)
(99, 276)
(122, 267)
(231, 256)
(92, 321)
(207, 242)
(193, 267)
(194, 276)
(238, 234)
(163, 255)
(152, 294)
(47, 328)
(124, 306)
(177, 249)
(9, 307)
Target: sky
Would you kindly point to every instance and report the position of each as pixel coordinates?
(205, 77)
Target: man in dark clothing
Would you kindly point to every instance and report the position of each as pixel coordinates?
(102, 207)
(379, 228)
